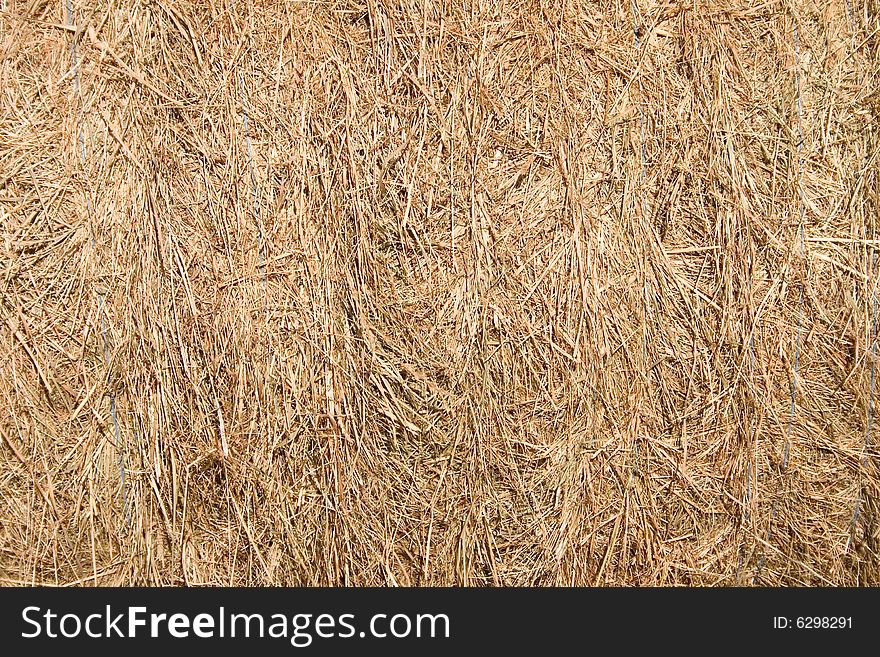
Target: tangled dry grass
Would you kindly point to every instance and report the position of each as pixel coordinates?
(498, 292)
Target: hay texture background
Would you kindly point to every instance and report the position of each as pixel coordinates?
(506, 292)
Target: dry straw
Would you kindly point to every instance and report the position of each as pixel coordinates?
(81, 141)
(424, 293)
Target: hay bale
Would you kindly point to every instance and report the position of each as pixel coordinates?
(423, 293)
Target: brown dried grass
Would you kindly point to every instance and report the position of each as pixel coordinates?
(484, 293)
